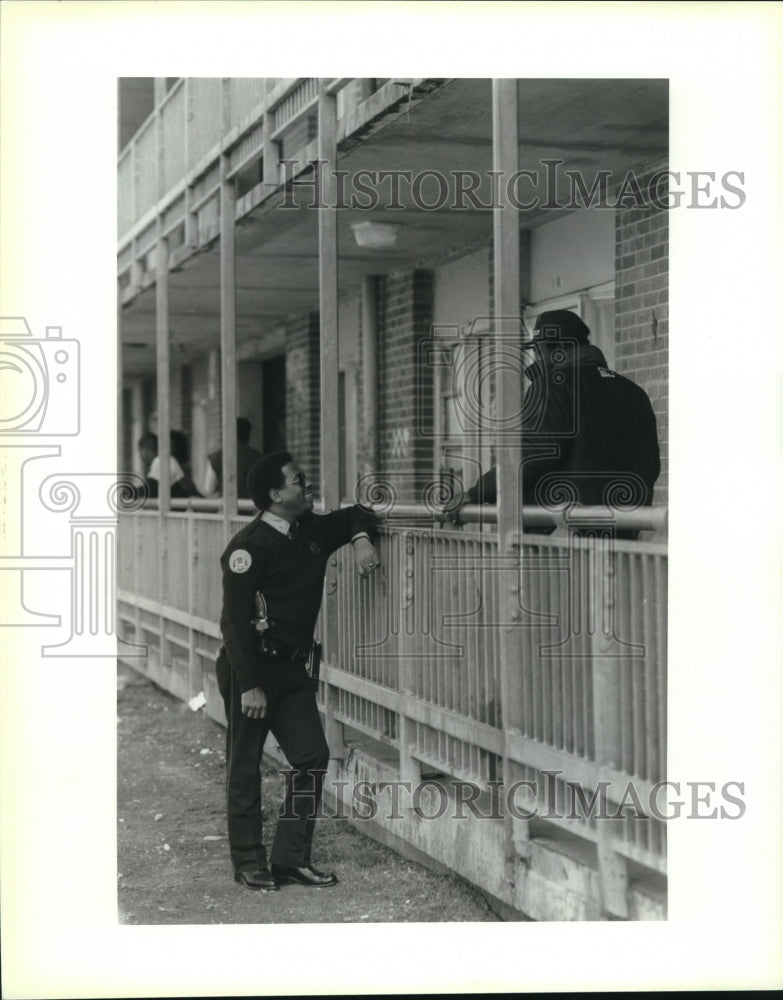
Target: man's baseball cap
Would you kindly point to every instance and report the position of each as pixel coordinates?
(560, 324)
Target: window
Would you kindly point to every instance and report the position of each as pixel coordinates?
(465, 393)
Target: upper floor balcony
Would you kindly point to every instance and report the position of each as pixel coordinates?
(434, 134)
(171, 166)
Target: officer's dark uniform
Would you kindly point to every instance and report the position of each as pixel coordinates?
(289, 572)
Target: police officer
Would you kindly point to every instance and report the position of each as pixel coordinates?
(273, 575)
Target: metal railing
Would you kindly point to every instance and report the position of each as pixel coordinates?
(416, 650)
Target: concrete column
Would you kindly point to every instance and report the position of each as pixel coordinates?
(159, 89)
(137, 424)
(120, 396)
(228, 350)
(327, 274)
(506, 336)
(369, 431)
(505, 151)
(330, 425)
(271, 165)
(163, 363)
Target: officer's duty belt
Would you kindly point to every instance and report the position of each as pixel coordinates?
(277, 650)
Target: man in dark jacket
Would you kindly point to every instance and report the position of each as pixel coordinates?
(246, 459)
(273, 577)
(589, 434)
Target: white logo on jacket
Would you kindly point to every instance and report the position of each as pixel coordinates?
(240, 561)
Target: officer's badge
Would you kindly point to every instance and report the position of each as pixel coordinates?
(314, 548)
(239, 561)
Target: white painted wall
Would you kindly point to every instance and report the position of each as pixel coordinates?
(572, 253)
(461, 291)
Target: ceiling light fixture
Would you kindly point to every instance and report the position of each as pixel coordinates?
(375, 235)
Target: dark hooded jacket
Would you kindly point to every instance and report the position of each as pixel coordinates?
(589, 435)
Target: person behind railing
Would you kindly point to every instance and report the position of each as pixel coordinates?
(147, 446)
(246, 459)
(589, 434)
(180, 449)
(273, 578)
(181, 483)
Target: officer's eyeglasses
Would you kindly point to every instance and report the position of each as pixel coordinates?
(299, 480)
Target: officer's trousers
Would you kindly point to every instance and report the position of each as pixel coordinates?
(292, 718)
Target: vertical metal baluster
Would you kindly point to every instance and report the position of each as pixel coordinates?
(555, 665)
(632, 627)
(651, 667)
(612, 865)
(660, 642)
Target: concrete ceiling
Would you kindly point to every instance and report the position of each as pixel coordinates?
(591, 125)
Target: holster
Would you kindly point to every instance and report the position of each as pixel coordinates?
(314, 663)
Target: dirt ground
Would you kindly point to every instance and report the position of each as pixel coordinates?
(173, 863)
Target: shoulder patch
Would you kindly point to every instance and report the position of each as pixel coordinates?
(240, 561)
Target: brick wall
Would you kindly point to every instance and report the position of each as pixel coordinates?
(406, 387)
(642, 311)
(303, 384)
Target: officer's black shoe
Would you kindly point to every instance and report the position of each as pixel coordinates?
(257, 879)
(306, 875)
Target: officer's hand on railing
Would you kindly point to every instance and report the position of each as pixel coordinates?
(254, 703)
(366, 556)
